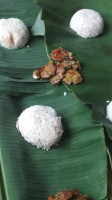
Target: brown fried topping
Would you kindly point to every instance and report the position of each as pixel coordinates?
(50, 197)
(76, 65)
(68, 195)
(62, 67)
(56, 79)
(48, 70)
(59, 54)
(65, 195)
(72, 76)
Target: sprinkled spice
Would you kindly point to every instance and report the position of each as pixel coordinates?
(69, 195)
(70, 72)
(58, 54)
(42, 69)
(59, 65)
(62, 68)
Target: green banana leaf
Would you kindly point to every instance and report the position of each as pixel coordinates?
(94, 54)
(80, 160)
(39, 27)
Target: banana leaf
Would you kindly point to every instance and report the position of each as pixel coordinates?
(94, 54)
(80, 160)
(39, 27)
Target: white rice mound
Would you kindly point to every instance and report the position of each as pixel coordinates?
(87, 23)
(14, 33)
(40, 126)
(109, 111)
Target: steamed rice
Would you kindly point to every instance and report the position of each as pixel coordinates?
(87, 23)
(13, 33)
(40, 126)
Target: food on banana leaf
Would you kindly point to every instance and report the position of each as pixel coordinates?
(48, 70)
(68, 195)
(36, 74)
(40, 126)
(72, 76)
(109, 111)
(14, 33)
(60, 71)
(62, 68)
(87, 23)
(61, 54)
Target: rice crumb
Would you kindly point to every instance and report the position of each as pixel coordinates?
(109, 111)
(65, 93)
(107, 101)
